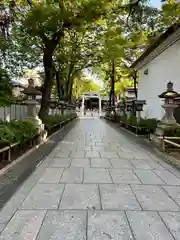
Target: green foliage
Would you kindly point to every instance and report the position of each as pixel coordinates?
(171, 13)
(6, 96)
(79, 34)
(132, 120)
(172, 131)
(83, 85)
(16, 131)
(51, 121)
(148, 124)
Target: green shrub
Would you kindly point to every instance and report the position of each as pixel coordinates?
(172, 131)
(51, 121)
(149, 123)
(17, 131)
(132, 120)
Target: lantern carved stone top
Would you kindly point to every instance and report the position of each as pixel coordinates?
(170, 93)
(139, 105)
(31, 90)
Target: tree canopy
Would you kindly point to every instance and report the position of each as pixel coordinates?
(65, 37)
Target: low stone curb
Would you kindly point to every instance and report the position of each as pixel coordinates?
(19, 159)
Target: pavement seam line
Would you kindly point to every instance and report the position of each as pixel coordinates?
(100, 199)
(158, 213)
(60, 200)
(136, 197)
(129, 225)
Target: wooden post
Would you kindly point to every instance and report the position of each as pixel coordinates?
(163, 143)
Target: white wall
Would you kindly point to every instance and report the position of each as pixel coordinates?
(162, 69)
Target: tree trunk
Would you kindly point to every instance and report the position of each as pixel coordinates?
(48, 81)
(113, 83)
(135, 83)
(110, 97)
(70, 90)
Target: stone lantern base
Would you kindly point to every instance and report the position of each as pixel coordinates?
(161, 127)
(168, 121)
(40, 126)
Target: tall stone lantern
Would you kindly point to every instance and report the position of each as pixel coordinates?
(169, 105)
(31, 92)
(129, 107)
(139, 108)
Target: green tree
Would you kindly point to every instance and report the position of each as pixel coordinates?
(49, 20)
(171, 13)
(76, 52)
(6, 95)
(83, 85)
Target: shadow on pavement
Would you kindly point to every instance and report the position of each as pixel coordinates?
(13, 179)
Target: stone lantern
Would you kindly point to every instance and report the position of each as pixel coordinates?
(31, 92)
(169, 105)
(139, 108)
(121, 106)
(128, 107)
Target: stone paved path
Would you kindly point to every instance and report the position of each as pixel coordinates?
(96, 185)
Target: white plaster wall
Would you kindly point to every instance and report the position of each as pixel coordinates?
(162, 69)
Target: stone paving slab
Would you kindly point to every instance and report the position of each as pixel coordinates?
(108, 225)
(63, 225)
(172, 221)
(60, 162)
(109, 155)
(80, 162)
(95, 175)
(173, 192)
(80, 196)
(154, 198)
(118, 197)
(168, 177)
(148, 225)
(140, 164)
(121, 163)
(77, 154)
(64, 153)
(92, 154)
(124, 176)
(148, 177)
(154, 165)
(43, 196)
(126, 155)
(72, 175)
(100, 163)
(126, 192)
(25, 224)
(51, 175)
(2, 226)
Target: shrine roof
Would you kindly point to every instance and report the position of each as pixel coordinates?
(172, 29)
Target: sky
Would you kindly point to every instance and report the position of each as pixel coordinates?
(155, 3)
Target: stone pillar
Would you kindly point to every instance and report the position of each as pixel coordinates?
(100, 106)
(82, 107)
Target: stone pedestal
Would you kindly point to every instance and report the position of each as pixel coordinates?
(32, 115)
(167, 121)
